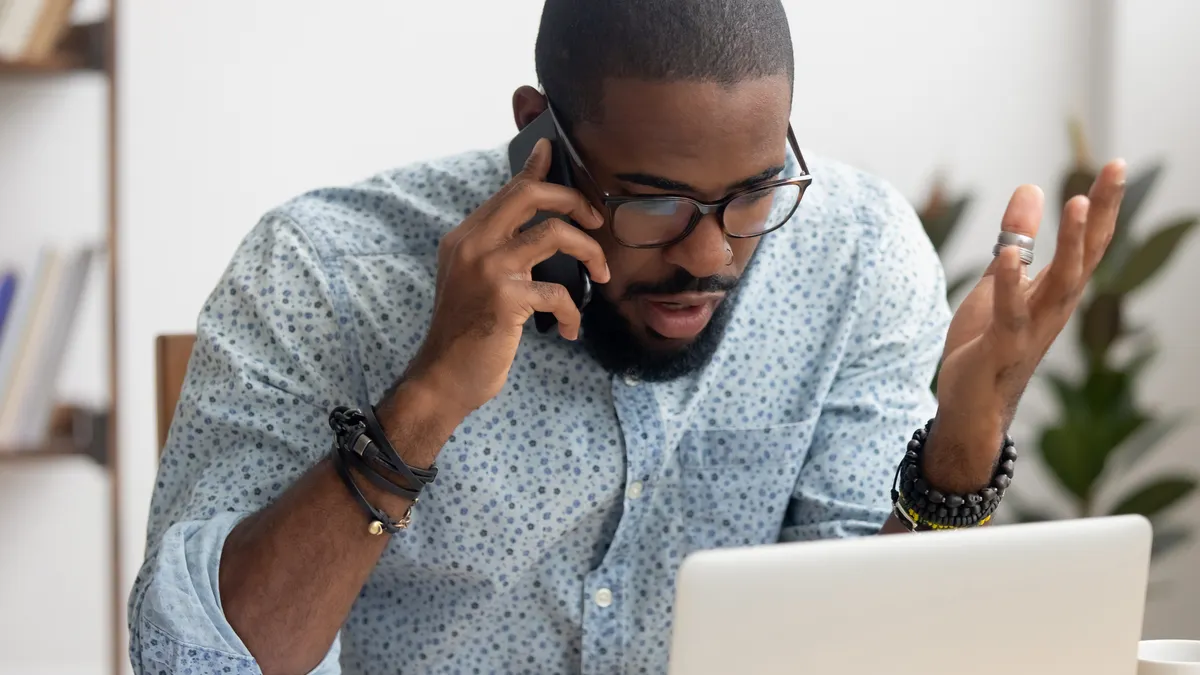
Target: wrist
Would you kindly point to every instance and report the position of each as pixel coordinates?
(418, 421)
(961, 452)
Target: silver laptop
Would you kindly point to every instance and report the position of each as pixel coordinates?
(1065, 598)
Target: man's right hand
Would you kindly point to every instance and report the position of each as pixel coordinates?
(485, 292)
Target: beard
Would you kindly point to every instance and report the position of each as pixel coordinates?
(612, 342)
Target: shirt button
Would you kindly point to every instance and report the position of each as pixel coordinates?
(631, 381)
(604, 597)
(635, 489)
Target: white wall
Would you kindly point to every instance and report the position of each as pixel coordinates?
(54, 527)
(230, 107)
(1155, 104)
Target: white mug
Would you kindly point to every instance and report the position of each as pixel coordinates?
(1169, 657)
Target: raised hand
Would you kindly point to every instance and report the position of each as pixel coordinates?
(1006, 324)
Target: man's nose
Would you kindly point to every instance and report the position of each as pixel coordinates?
(704, 252)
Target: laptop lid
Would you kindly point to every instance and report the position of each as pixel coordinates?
(1064, 597)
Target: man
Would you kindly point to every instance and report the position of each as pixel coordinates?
(725, 389)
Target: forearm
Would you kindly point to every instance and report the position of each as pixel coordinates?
(290, 573)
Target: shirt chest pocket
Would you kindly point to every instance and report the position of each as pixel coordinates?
(737, 483)
(785, 444)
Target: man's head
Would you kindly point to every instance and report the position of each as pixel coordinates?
(662, 97)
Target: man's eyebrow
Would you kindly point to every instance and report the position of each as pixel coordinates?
(668, 185)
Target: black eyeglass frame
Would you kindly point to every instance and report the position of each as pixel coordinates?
(611, 202)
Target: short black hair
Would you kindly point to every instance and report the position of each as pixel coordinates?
(581, 43)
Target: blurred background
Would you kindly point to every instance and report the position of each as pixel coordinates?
(139, 146)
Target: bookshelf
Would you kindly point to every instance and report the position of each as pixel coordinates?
(89, 49)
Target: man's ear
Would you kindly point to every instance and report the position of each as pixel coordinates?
(527, 103)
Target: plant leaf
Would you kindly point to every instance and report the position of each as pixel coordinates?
(1101, 325)
(1148, 259)
(1155, 497)
(1074, 407)
(942, 222)
(1138, 362)
(1136, 191)
(1063, 452)
(1167, 539)
(1144, 440)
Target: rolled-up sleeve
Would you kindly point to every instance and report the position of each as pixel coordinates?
(880, 393)
(272, 356)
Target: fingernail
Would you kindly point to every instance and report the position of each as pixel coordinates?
(607, 273)
(596, 214)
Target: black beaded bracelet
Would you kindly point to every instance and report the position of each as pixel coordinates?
(922, 507)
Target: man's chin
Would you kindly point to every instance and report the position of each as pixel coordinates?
(635, 349)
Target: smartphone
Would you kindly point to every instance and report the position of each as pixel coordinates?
(559, 268)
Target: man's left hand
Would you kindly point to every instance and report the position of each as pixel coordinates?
(1006, 324)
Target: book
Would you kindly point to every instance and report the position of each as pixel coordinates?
(8, 289)
(29, 400)
(19, 323)
(20, 22)
(51, 25)
(49, 350)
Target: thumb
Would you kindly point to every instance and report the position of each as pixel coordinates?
(538, 163)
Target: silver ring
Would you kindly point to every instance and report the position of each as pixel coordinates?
(1022, 242)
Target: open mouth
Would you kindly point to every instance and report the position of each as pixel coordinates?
(679, 317)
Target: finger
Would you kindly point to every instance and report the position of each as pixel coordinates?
(527, 197)
(541, 296)
(535, 169)
(1105, 195)
(1023, 215)
(549, 237)
(1059, 284)
(1009, 308)
(537, 165)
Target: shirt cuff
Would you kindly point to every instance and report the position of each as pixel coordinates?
(181, 623)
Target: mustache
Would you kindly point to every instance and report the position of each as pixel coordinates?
(681, 282)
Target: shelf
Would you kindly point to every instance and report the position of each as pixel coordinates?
(59, 65)
(82, 50)
(52, 451)
(73, 432)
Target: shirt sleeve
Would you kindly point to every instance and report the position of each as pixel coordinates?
(881, 391)
(272, 356)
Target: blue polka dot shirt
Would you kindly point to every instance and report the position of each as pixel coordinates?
(550, 541)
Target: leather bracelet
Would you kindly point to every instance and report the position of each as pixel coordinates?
(373, 474)
(359, 430)
(392, 458)
(380, 522)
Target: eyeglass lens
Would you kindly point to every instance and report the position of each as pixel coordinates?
(658, 221)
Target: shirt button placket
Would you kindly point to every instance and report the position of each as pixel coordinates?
(634, 491)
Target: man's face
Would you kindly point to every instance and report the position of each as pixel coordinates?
(663, 312)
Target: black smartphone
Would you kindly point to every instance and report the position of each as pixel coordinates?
(559, 268)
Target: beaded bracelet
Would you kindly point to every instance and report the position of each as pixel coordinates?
(922, 507)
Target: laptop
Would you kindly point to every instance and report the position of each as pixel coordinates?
(1063, 597)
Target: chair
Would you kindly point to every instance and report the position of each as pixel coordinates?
(171, 354)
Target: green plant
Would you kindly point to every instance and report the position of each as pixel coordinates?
(1102, 429)
(941, 216)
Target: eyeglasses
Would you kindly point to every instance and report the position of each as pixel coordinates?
(657, 221)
